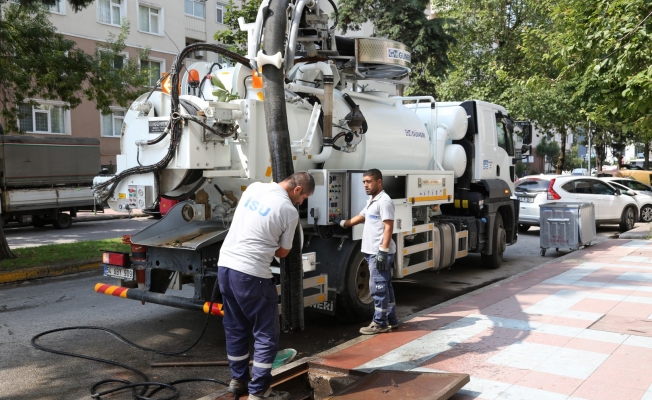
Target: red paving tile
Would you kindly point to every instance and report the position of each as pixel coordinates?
(634, 378)
(626, 325)
(550, 382)
(601, 391)
(544, 338)
(592, 345)
(594, 306)
(572, 322)
(632, 310)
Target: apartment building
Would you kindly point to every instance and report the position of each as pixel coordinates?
(165, 26)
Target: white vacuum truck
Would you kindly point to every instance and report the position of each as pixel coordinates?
(449, 167)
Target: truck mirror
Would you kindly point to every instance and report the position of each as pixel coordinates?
(526, 148)
(526, 131)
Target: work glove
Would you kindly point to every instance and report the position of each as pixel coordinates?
(382, 260)
(338, 220)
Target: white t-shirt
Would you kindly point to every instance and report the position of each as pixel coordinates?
(378, 209)
(264, 220)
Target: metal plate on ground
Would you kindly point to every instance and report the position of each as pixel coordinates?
(403, 385)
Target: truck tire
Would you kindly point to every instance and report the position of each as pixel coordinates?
(628, 219)
(63, 221)
(355, 303)
(493, 260)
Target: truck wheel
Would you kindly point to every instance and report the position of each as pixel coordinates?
(493, 260)
(63, 221)
(628, 219)
(355, 303)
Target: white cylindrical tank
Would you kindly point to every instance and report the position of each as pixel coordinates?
(396, 138)
(454, 159)
(454, 120)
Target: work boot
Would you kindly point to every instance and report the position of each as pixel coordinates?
(270, 394)
(373, 329)
(236, 387)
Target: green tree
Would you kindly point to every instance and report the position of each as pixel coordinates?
(235, 39)
(405, 22)
(38, 62)
(549, 150)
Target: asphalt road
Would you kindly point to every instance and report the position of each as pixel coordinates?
(35, 306)
(28, 236)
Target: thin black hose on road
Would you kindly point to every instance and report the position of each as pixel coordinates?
(145, 382)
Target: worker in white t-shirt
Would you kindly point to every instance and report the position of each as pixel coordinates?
(263, 227)
(379, 250)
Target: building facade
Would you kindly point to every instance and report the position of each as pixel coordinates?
(163, 26)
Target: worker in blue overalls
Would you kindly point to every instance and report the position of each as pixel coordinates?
(263, 227)
(379, 250)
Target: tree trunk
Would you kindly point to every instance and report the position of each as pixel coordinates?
(646, 155)
(5, 251)
(562, 152)
(599, 157)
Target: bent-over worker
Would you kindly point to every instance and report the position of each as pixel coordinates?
(263, 227)
(379, 249)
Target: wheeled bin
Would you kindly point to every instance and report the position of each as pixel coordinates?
(566, 225)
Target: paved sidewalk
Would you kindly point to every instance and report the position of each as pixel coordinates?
(577, 328)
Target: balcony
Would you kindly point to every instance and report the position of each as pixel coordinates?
(195, 27)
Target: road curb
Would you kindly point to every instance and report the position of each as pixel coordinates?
(19, 275)
(642, 232)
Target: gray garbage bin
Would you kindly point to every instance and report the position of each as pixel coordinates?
(566, 225)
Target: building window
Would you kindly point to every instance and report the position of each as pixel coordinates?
(110, 11)
(112, 123)
(118, 60)
(43, 118)
(58, 8)
(155, 69)
(221, 10)
(196, 8)
(148, 19)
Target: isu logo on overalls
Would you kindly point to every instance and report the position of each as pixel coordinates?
(255, 205)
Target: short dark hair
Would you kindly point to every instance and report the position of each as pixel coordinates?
(374, 173)
(303, 179)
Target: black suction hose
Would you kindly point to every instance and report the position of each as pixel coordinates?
(279, 147)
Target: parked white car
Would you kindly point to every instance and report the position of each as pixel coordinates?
(643, 200)
(638, 187)
(611, 206)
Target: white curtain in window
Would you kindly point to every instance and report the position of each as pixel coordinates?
(153, 20)
(104, 7)
(57, 120)
(188, 7)
(25, 121)
(118, 119)
(143, 18)
(200, 7)
(107, 124)
(116, 12)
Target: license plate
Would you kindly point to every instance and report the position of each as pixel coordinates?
(526, 199)
(119, 272)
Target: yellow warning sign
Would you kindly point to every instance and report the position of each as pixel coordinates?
(122, 195)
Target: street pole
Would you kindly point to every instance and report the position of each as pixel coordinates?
(589, 165)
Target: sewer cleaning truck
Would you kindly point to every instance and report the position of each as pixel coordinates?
(295, 103)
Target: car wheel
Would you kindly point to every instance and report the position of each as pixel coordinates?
(646, 213)
(524, 228)
(493, 260)
(628, 219)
